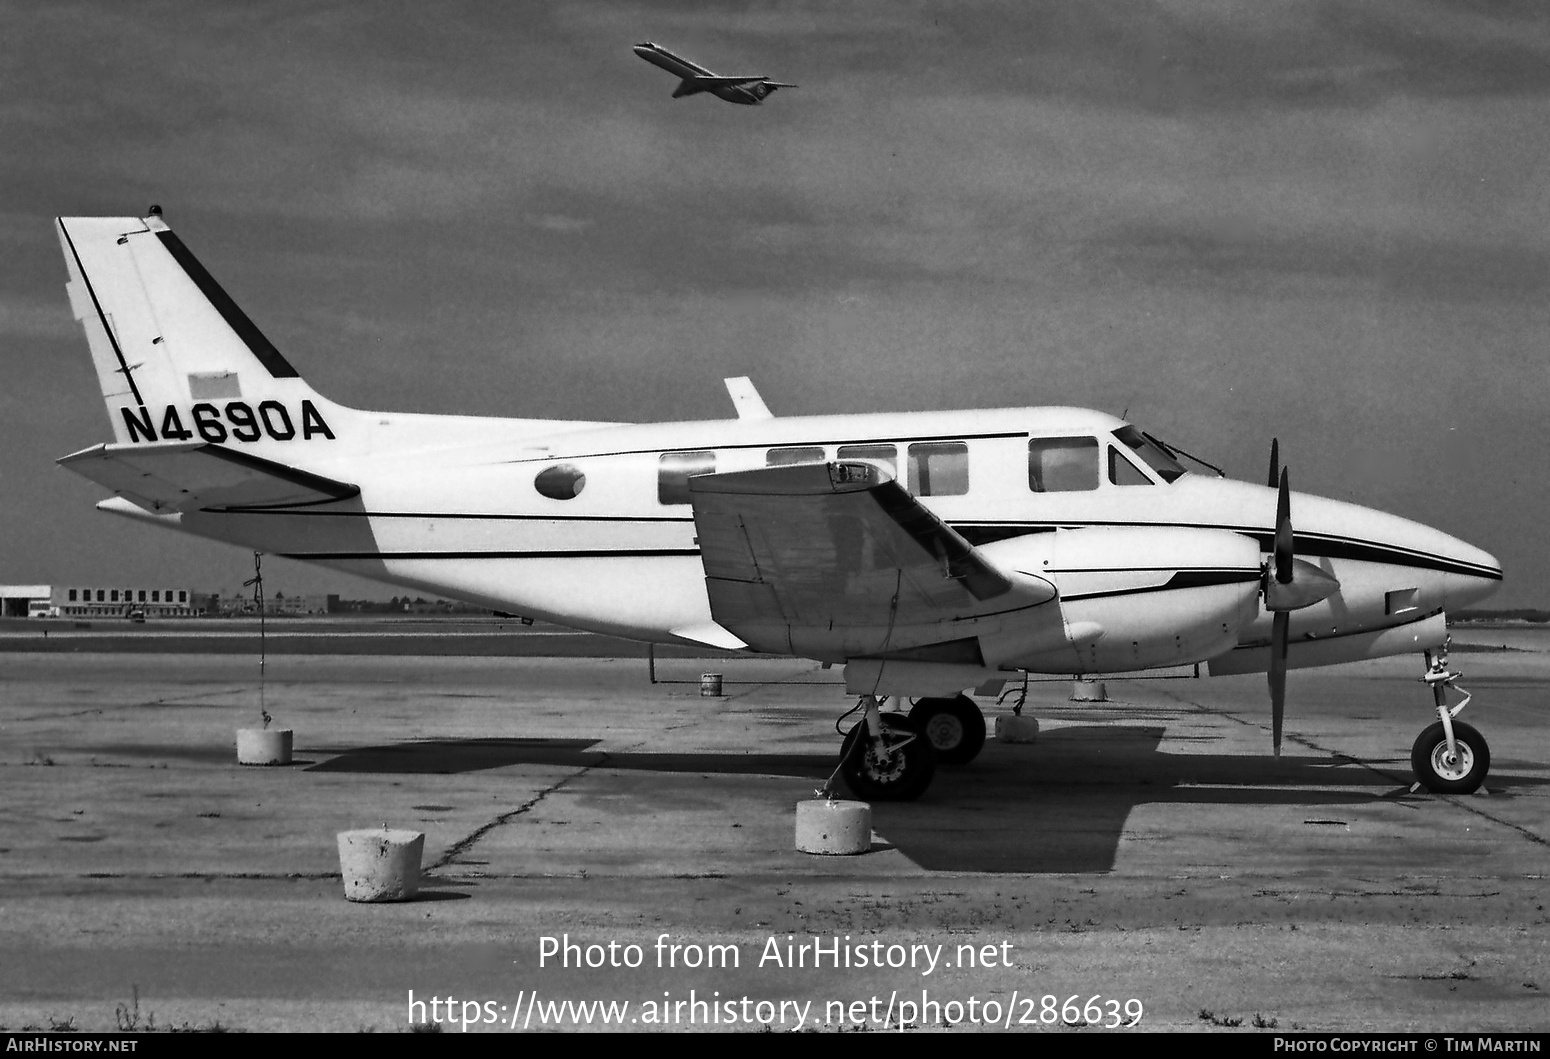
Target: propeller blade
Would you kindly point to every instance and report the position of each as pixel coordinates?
(1277, 676)
(1283, 541)
(1280, 629)
(1275, 461)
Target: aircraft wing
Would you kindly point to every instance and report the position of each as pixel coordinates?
(193, 476)
(839, 545)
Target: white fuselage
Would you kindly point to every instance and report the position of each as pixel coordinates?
(458, 511)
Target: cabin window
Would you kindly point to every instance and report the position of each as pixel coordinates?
(884, 454)
(72, 595)
(182, 595)
(939, 468)
(560, 482)
(1062, 465)
(100, 594)
(155, 595)
(795, 454)
(1123, 472)
(675, 470)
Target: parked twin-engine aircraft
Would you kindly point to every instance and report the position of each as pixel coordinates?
(694, 78)
(925, 552)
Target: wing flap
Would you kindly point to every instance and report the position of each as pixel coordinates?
(194, 476)
(839, 546)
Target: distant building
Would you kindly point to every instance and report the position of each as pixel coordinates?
(54, 601)
(24, 601)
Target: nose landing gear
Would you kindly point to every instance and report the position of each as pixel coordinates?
(1450, 757)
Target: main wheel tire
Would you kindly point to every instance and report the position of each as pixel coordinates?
(1442, 775)
(956, 728)
(900, 776)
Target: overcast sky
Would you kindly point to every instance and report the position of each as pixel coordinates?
(1326, 222)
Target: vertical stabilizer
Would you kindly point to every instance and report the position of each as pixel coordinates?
(176, 358)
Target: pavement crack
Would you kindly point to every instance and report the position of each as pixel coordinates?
(1405, 782)
(464, 844)
(171, 700)
(1458, 800)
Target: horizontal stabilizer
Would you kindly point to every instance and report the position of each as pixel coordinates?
(195, 476)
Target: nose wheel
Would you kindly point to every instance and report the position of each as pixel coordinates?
(1459, 769)
(1450, 757)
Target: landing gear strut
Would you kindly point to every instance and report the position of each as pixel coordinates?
(894, 765)
(1450, 757)
(955, 726)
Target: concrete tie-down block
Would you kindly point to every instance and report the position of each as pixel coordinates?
(1016, 728)
(380, 864)
(263, 746)
(834, 827)
(1089, 691)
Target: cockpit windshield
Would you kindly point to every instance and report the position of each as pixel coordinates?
(1157, 456)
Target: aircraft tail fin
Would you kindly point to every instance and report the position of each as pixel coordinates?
(176, 358)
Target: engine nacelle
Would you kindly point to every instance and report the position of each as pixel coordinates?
(1134, 597)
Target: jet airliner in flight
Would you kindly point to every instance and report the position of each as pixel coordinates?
(694, 78)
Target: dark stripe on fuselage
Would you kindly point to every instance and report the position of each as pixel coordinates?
(977, 534)
(238, 320)
(123, 365)
(474, 516)
(1365, 551)
(1180, 580)
(605, 553)
(869, 441)
(1304, 545)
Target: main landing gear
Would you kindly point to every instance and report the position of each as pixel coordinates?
(1450, 757)
(955, 726)
(895, 765)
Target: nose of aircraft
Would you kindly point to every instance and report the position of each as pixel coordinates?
(1466, 587)
(1447, 571)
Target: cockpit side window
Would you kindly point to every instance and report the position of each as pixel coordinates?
(1123, 472)
(1167, 468)
(1062, 465)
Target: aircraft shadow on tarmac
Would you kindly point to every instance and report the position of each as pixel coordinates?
(1059, 805)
